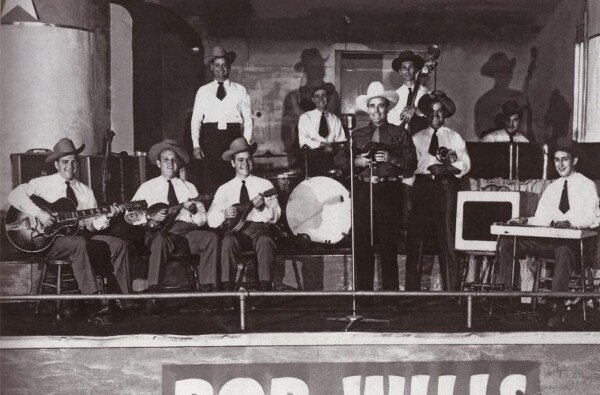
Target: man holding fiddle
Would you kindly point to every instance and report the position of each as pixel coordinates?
(390, 152)
(184, 233)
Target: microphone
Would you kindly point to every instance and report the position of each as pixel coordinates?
(434, 51)
(347, 19)
(349, 120)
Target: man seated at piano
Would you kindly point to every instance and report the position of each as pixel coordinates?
(76, 249)
(180, 230)
(245, 191)
(568, 202)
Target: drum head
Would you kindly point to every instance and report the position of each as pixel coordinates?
(320, 208)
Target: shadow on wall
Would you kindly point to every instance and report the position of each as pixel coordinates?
(298, 101)
(557, 117)
(500, 68)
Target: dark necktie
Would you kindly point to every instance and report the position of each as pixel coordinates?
(564, 199)
(171, 196)
(409, 97)
(434, 145)
(511, 138)
(323, 129)
(221, 91)
(244, 198)
(71, 193)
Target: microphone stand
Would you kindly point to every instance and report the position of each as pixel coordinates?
(353, 316)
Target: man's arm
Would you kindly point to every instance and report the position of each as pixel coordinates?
(196, 124)
(304, 133)
(20, 199)
(246, 111)
(216, 211)
(196, 209)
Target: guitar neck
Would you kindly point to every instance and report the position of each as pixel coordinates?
(199, 198)
(92, 212)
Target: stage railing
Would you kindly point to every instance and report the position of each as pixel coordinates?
(244, 295)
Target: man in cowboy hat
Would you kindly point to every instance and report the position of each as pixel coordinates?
(570, 201)
(255, 235)
(391, 153)
(511, 119)
(222, 113)
(320, 128)
(184, 232)
(435, 190)
(75, 249)
(407, 64)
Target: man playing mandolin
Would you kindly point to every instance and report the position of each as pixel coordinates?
(245, 194)
(180, 231)
(73, 248)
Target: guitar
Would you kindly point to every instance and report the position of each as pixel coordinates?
(237, 223)
(172, 211)
(27, 234)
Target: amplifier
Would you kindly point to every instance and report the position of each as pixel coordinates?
(28, 166)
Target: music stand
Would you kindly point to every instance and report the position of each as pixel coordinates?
(353, 316)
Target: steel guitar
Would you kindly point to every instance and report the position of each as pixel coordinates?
(541, 231)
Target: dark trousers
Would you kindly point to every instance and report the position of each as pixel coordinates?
(387, 203)
(214, 142)
(183, 238)
(433, 214)
(564, 252)
(255, 236)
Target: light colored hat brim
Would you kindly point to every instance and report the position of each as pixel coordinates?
(230, 153)
(56, 155)
(157, 148)
(362, 101)
(229, 55)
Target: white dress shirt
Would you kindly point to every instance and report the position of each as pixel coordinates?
(51, 188)
(228, 194)
(501, 136)
(156, 190)
(584, 209)
(446, 138)
(308, 129)
(235, 107)
(393, 116)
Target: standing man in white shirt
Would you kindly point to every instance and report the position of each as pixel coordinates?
(73, 248)
(434, 193)
(407, 64)
(511, 116)
(184, 232)
(570, 201)
(222, 113)
(319, 129)
(256, 234)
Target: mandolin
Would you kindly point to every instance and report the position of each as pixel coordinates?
(172, 211)
(237, 223)
(27, 234)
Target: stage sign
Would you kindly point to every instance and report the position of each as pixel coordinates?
(381, 378)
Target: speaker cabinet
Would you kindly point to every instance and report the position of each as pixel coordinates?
(28, 166)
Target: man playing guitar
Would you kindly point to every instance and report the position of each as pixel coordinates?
(73, 248)
(184, 231)
(255, 234)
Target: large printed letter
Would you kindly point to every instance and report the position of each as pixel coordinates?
(513, 383)
(242, 385)
(288, 386)
(193, 387)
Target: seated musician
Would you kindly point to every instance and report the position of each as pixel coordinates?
(245, 188)
(167, 235)
(75, 249)
(510, 117)
(570, 201)
(393, 159)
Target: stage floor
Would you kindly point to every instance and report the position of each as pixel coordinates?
(294, 315)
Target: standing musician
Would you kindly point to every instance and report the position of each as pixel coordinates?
(407, 64)
(319, 129)
(255, 235)
(442, 161)
(183, 235)
(511, 116)
(570, 201)
(222, 113)
(393, 159)
(79, 248)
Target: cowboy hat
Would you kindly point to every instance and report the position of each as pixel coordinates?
(565, 144)
(238, 145)
(511, 107)
(219, 52)
(376, 89)
(326, 86)
(498, 63)
(428, 99)
(310, 57)
(173, 145)
(64, 147)
(408, 56)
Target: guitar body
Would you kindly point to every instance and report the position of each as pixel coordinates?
(27, 234)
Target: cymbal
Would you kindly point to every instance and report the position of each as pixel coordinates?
(269, 154)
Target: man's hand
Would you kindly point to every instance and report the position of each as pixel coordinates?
(198, 154)
(158, 216)
(407, 114)
(437, 169)
(562, 224)
(231, 212)
(115, 210)
(258, 201)
(517, 221)
(362, 160)
(190, 206)
(382, 156)
(45, 218)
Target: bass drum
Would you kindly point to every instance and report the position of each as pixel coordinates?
(320, 207)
